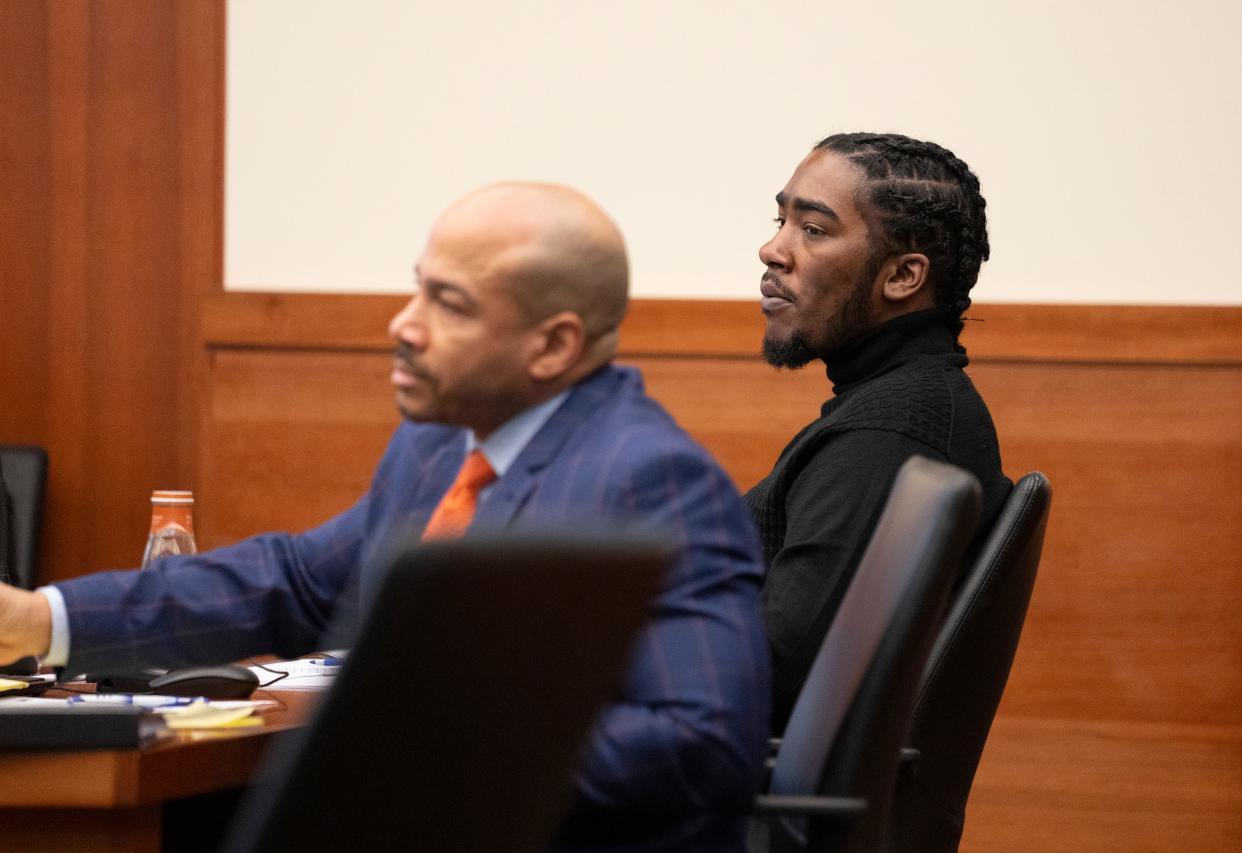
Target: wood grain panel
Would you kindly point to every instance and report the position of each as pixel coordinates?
(1130, 669)
(1121, 333)
(1134, 616)
(25, 220)
(330, 321)
(1050, 786)
(110, 237)
(1141, 334)
(714, 400)
(1135, 612)
(293, 439)
(1142, 579)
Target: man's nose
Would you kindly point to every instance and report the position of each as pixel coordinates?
(407, 326)
(774, 253)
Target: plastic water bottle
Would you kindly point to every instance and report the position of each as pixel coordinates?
(172, 526)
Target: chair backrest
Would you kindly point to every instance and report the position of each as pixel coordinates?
(966, 674)
(459, 712)
(23, 482)
(845, 733)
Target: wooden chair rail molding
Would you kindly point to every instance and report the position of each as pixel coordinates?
(1131, 334)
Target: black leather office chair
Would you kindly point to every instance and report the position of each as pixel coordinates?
(965, 677)
(23, 481)
(833, 776)
(460, 711)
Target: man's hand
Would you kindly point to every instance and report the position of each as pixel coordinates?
(25, 623)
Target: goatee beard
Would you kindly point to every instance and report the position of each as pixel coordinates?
(851, 321)
(792, 354)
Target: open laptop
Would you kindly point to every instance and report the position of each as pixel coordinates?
(459, 713)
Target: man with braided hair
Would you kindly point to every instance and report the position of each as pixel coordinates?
(879, 240)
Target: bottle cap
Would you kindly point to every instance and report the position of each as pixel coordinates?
(171, 496)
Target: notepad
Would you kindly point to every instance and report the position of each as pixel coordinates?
(302, 674)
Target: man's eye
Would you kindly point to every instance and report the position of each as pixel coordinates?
(450, 306)
(813, 230)
(780, 220)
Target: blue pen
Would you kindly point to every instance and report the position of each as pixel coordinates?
(103, 699)
(326, 662)
(145, 701)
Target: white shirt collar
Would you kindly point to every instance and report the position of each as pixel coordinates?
(507, 442)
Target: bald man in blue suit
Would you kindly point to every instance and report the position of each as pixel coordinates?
(505, 348)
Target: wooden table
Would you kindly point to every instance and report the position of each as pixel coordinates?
(118, 800)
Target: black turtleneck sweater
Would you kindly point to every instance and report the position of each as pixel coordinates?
(899, 391)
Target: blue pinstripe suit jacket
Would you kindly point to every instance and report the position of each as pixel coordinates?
(688, 731)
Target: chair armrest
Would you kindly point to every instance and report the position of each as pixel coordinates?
(909, 755)
(770, 804)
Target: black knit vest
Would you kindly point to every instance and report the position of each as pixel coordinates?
(914, 400)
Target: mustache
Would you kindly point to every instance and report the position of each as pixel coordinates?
(769, 278)
(404, 354)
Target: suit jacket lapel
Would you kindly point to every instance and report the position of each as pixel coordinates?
(514, 489)
(429, 468)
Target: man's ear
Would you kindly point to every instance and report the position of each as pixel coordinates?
(558, 345)
(905, 277)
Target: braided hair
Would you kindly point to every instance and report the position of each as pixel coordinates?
(919, 197)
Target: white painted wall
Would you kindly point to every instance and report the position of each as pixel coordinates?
(1107, 133)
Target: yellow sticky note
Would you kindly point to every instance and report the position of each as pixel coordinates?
(10, 684)
(201, 715)
(243, 722)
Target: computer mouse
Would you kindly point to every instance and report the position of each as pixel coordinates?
(125, 680)
(213, 682)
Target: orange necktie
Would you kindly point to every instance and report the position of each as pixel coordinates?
(456, 508)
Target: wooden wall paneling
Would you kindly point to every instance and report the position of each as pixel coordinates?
(199, 34)
(1058, 786)
(70, 499)
(108, 246)
(33, 138)
(25, 218)
(294, 437)
(331, 321)
(130, 289)
(1138, 598)
(714, 399)
(1133, 334)
(1120, 729)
